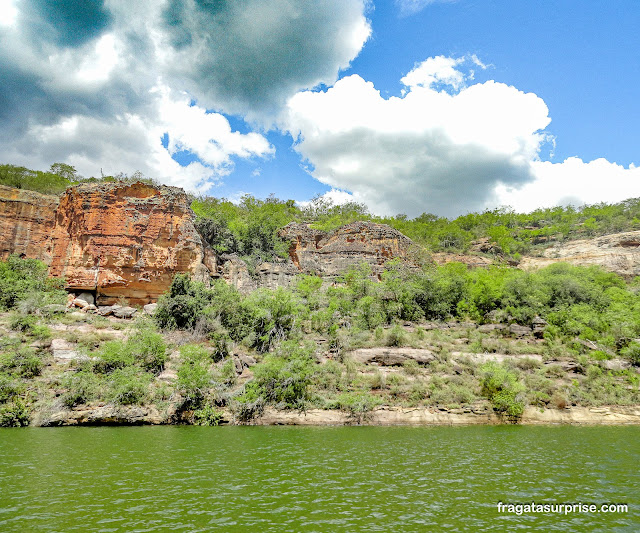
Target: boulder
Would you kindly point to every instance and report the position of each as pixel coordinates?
(124, 312)
(520, 331)
(392, 356)
(616, 364)
(61, 349)
(87, 297)
(241, 362)
(149, 309)
(82, 304)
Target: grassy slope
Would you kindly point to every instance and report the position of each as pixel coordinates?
(551, 376)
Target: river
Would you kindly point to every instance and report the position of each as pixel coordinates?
(304, 479)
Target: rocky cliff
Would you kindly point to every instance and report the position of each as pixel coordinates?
(326, 254)
(27, 220)
(126, 240)
(114, 239)
(331, 253)
(618, 252)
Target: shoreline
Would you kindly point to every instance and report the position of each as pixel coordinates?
(403, 416)
(107, 415)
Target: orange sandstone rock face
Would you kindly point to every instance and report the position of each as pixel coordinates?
(27, 219)
(129, 240)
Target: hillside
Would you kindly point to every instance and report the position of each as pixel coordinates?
(270, 314)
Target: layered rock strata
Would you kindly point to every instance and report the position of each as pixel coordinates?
(112, 239)
(128, 240)
(27, 220)
(618, 252)
(329, 254)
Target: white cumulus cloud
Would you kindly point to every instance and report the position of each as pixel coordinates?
(446, 146)
(573, 182)
(132, 141)
(80, 86)
(431, 150)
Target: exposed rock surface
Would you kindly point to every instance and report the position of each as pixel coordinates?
(392, 356)
(618, 252)
(331, 253)
(129, 240)
(27, 219)
(425, 416)
(326, 254)
(107, 240)
(269, 275)
(102, 415)
(473, 261)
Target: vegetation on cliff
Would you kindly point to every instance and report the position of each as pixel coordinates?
(250, 227)
(446, 337)
(57, 178)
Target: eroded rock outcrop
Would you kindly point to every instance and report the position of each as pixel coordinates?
(123, 239)
(618, 252)
(27, 220)
(330, 254)
(111, 239)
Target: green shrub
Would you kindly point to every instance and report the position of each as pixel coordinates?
(328, 376)
(26, 279)
(417, 392)
(193, 375)
(249, 404)
(14, 414)
(82, 387)
(220, 344)
(452, 392)
(604, 388)
(128, 386)
(183, 305)
(411, 367)
(227, 374)
(207, 416)
(632, 353)
(307, 286)
(148, 349)
(9, 387)
(21, 322)
(396, 336)
(503, 389)
(358, 405)
(284, 378)
(555, 371)
(113, 355)
(273, 315)
(24, 362)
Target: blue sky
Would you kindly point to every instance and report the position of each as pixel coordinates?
(406, 105)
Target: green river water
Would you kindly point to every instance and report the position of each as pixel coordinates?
(395, 479)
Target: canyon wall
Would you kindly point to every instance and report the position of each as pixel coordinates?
(27, 220)
(126, 240)
(130, 239)
(114, 239)
(322, 253)
(617, 252)
(331, 253)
